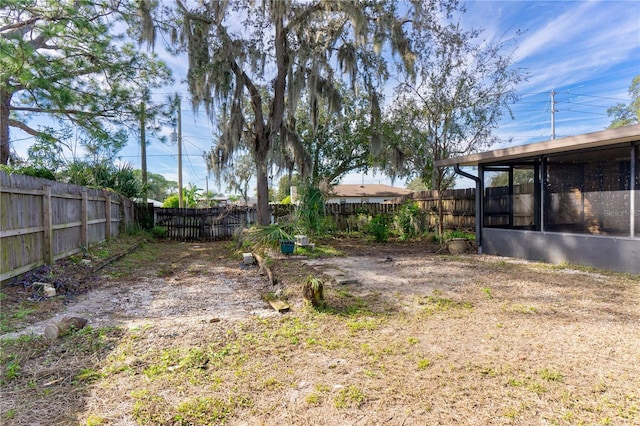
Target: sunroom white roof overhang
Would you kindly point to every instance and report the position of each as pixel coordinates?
(598, 139)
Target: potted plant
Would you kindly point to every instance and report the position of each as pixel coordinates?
(287, 246)
(272, 236)
(457, 242)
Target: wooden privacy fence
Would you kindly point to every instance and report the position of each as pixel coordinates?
(216, 223)
(458, 207)
(222, 222)
(354, 217)
(43, 220)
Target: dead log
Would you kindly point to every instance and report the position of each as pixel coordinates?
(65, 326)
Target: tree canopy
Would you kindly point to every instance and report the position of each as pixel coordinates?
(336, 144)
(627, 114)
(463, 87)
(65, 59)
(250, 63)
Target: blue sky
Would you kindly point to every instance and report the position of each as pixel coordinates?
(586, 51)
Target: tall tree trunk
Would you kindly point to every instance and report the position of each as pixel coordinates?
(5, 100)
(440, 209)
(262, 179)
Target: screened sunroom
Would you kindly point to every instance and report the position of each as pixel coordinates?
(574, 200)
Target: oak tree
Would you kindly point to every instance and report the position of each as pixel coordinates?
(463, 86)
(250, 62)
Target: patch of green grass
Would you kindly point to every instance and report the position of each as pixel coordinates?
(349, 397)
(95, 420)
(320, 387)
(423, 364)
(292, 330)
(343, 294)
(22, 313)
(437, 304)
(271, 383)
(346, 304)
(88, 375)
(204, 411)
(488, 372)
(11, 319)
(101, 252)
(313, 399)
(10, 368)
(9, 414)
(516, 383)
(511, 413)
(14, 352)
(151, 409)
(165, 272)
(551, 375)
(89, 340)
(356, 325)
(190, 360)
(459, 234)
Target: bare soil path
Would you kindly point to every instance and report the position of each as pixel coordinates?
(176, 285)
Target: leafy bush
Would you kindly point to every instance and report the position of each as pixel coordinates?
(158, 232)
(29, 171)
(457, 233)
(286, 200)
(409, 220)
(311, 210)
(171, 202)
(379, 228)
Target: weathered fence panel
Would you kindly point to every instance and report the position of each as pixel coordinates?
(42, 220)
(458, 207)
(216, 223)
(349, 217)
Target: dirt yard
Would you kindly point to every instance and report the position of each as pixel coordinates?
(180, 333)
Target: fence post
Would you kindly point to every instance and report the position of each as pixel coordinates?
(47, 220)
(84, 230)
(107, 203)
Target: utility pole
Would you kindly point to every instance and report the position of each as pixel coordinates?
(143, 151)
(207, 189)
(553, 115)
(180, 199)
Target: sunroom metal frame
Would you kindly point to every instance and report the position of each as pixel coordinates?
(617, 252)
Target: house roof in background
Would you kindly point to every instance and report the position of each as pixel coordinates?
(371, 190)
(584, 141)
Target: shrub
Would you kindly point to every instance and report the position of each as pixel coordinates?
(286, 200)
(379, 228)
(409, 220)
(32, 171)
(457, 233)
(310, 213)
(158, 232)
(171, 202)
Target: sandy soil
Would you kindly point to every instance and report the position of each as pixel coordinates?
(490, 329)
